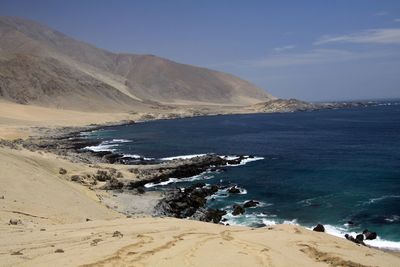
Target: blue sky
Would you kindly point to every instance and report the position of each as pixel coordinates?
(311, 50)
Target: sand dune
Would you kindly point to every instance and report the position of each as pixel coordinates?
(53, 213)
(173, 242)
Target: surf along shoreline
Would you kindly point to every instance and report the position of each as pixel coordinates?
(178, 202)
(70, 143)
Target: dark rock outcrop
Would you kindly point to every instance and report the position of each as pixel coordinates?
(237, 210)
(355, 240)
(366, 235)
(369, 235)
(234, 190)
(190, 203)
(102, 176)
(181, 169)
(251, 204)
(360, 237)
(319, 228)
(208, 215)
(113, 184)
(140, 190)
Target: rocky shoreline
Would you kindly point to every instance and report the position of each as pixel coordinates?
(180, 203)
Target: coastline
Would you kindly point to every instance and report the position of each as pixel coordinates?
(177, 196)
(71, 140)
(31, 226)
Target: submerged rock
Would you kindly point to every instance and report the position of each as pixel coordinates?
(234, 190)
(237, 210)
(251, 204)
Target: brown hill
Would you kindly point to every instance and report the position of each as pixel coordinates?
(41, 66)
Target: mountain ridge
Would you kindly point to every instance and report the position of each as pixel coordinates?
(140, 78)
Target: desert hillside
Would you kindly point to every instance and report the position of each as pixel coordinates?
(41, 66)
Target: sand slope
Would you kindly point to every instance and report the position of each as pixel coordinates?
(35, 192)
(173, 242)
(53, 212)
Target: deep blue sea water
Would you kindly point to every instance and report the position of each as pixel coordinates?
(329, 167)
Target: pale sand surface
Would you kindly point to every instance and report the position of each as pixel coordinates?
(31, 184)
(174, 242)
(53, 211)
(21, 121)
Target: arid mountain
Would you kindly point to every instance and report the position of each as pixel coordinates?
(41, 66)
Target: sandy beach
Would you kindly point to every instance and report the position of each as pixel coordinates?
(56, 221)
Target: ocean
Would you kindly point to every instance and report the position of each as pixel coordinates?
(330, 166)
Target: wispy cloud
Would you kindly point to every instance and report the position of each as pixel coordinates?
(312, 57)
(284, 48)
(382, 13)
(376, 36)
(316, 56)
(397, 20)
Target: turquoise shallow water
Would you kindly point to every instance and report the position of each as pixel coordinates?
(327, 167)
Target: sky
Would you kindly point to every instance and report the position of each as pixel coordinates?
(311, 50)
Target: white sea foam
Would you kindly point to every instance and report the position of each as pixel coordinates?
(268, 222)
(135, 156)
(112, 145)
(169, 181)
(201, 176)
(120, 141)
(378, 242)
(374, 200)
(254, 219)
(244, 161)
(109, 145)
(392, 218)
(259, 205)
(385, 244)
(242, 191)
(292, 222)
(102, 147)
(229, 157)
(183, 157)
(86, 133)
